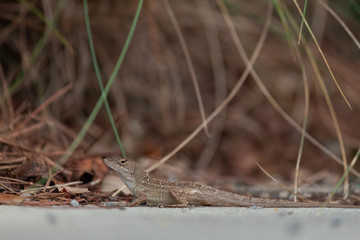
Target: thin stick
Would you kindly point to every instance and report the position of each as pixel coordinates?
(51, 177)
(4, 186)
(16, 180)
(45, 104)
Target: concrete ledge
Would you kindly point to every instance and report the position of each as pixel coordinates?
(164, 223)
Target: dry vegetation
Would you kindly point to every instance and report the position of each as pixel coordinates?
(48, 89)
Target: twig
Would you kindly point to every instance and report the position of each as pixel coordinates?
(51, 177)
(50, 100)
(4, 186)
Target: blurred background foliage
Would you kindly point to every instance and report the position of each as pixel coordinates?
(44, 47)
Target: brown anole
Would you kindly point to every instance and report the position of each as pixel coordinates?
(182, 194)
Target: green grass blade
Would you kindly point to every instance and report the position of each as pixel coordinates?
(98, 76)
(346, 173)
(288, 34)
(100, 102)
(302, 21)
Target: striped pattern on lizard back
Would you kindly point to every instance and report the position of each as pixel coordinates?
(181, 194)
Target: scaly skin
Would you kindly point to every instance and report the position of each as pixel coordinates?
(182, 194)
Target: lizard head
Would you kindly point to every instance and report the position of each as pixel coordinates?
(125, 168)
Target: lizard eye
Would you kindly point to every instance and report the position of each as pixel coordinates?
(123, 161)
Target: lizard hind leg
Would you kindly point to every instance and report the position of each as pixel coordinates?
(178, 196)
(137, 201)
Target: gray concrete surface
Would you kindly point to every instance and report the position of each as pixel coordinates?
(164, 223)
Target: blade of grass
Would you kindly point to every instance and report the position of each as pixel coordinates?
(219, 76)
(289, 37)
(98, 77)
(188, 61)
(99, 103)
(321, 53)
(346, 173)
(327, 99)
(282, 185)
(6, 105)
(302, 22)
(50, 24)
(259, 82)
(40, 44)
(341, 22)
(355, 6)
(306, 116)
(267, 94)
(231, 95)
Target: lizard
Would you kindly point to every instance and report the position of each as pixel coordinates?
(155, 192)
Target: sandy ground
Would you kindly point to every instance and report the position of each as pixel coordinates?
(164, 223)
